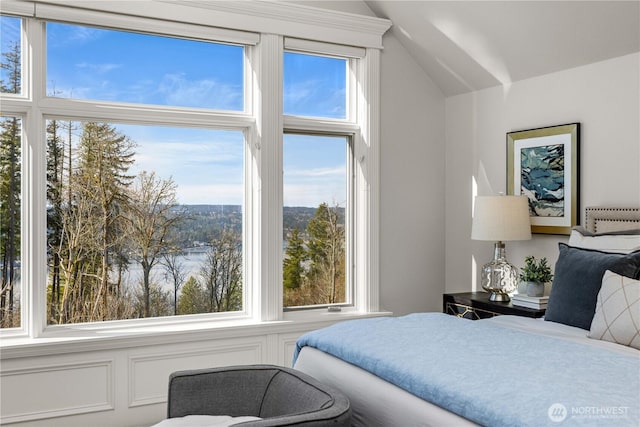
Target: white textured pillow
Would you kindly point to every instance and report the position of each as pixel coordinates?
(618, 242)
(617, 317)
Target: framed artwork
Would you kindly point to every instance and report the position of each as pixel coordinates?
(543, 164)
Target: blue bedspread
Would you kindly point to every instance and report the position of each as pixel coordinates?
(492, 375)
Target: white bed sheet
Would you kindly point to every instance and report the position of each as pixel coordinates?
(558, 330)
(375, 402)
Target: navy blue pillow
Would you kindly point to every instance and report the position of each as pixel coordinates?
(577, 280)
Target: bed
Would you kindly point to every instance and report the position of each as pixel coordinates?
(577, 366)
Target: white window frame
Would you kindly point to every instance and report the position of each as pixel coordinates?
(262, 122)
(348, 128)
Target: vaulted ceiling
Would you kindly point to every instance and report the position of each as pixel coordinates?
(470, 45)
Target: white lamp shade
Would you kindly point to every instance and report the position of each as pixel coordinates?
(501, 218)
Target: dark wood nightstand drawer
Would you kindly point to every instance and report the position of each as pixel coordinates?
(476, 305)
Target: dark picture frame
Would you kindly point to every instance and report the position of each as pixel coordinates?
(543, 164)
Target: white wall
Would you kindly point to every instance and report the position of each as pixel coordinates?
(412, 185)
(604, 97)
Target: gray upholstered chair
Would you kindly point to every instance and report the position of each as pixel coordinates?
(280, 396)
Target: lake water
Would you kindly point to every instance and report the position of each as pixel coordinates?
(190, 263)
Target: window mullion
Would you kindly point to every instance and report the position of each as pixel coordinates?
(34, 184)
(267, 212)
(142, 114)
(319, 125)
(367, 199)
(352, 85)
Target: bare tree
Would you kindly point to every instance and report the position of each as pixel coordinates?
(156, 299)
(78, 254)
(174, 271)
(150, 220)
(105, 156)
(222, 273)
(326, 249)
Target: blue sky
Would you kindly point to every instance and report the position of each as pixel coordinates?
(206, 164)
(9, 34)
(92, 63)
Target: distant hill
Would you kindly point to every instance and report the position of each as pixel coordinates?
(296, 217)
(206, 221)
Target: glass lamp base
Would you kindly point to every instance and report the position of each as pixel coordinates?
(499, 277)
(499, 297)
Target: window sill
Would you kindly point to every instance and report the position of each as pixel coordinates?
(68, 340)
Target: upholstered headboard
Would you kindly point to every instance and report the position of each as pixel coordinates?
(604, 219)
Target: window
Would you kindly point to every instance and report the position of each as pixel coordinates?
(10, 176)
(156, 172)
(142, 221)
(315, 208)
(317, 181)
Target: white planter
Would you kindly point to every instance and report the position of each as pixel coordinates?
(535, 289)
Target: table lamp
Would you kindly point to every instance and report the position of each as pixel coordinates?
(500, 219)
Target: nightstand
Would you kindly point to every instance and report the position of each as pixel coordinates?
(476, 305)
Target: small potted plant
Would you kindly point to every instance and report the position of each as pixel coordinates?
(535, 274)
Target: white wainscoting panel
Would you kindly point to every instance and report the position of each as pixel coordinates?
(149, 372)
(286, 347)
(126, 386)
(57, 390)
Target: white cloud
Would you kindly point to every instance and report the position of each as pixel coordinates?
(98, 68)
(297, 92)
(213, 194)
(314, 98)
(65, 34)
(210, 93)
(313, 195)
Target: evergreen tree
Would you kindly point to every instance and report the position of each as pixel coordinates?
(10, 177)
(192, 298)
(10, 173)
(293, 264)
(55, 179)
